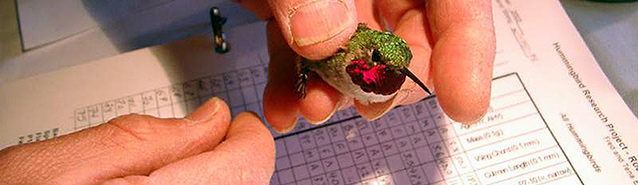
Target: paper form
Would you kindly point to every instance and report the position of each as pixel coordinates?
(554, 118)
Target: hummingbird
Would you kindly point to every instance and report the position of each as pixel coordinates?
(370, 68)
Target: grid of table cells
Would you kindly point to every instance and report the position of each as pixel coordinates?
(241, 89)
(418, 144)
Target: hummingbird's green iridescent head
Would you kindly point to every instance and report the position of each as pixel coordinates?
(380, 60)
(381, 47)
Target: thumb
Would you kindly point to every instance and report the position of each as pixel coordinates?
(315, 29)
(127, 145)
(246, 156)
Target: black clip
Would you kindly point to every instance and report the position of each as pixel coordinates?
(221, 46)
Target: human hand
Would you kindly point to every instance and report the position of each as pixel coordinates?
(205, 147)
(452, 43)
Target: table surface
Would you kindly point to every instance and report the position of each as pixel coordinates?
(611, 33)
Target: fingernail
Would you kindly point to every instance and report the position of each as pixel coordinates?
(318, 21)
(323, 120)
(373, 111)
(288, 129)
(327, 117)
(205, 112)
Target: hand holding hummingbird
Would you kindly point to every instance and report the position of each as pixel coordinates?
(452, 45)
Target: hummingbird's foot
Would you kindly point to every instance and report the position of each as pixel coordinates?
(302, 70)
(300, 85)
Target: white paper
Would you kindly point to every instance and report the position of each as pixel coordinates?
(554, 117)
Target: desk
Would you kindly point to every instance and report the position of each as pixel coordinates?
(611, 33)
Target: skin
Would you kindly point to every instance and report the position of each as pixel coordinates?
(202, 148)
(452, 43)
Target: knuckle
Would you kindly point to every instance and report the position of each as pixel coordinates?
(129, 118)
(130, 128)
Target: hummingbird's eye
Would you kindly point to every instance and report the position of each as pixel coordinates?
(376, 56)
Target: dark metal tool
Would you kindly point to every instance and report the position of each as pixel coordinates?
(217, 21)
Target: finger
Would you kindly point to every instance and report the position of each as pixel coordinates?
(408, 19)
(373, 111)
(315, 28)
(413, 29)
(246, 156)
(462, 56)
(128, 145)
(367, 13)
(281, 104)
(321, 101)
(394, 10)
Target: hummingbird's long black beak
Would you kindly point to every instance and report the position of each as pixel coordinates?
(415, 79)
